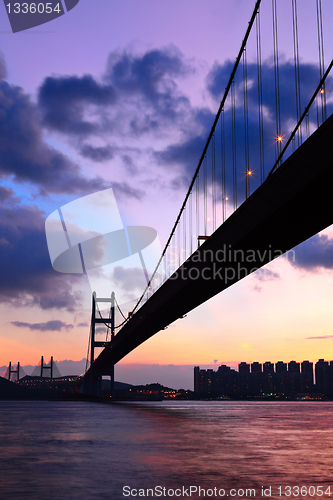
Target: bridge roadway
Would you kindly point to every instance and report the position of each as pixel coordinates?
(293, 204)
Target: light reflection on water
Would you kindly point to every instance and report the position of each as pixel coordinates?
(89, 451)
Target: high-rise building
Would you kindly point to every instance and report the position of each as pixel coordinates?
(226, 381)
(293, 367)
(322, 379)
(197, 379)
(294, 377)
(307, 376)
(268, 367)
(243, 367)
(244, 379)
(256, 367)
(268, 380)
(281, 367)
(281, 378)
(256, 382)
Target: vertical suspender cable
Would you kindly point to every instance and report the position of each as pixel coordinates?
(260, 104)
(205, 194)
(223, 167)
(190, 229)
(233, 139)
(184, 236)
(246, 128)
(213, 183)
(277, 82)
(321, 58)
(179, 245)
(297, 73)
(197, 205)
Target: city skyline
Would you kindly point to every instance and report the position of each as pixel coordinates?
(285, 310)
(180, 378)
(283, 380)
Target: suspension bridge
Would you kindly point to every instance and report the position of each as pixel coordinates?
(261, 186)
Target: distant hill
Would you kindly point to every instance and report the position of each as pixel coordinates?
(119, 386)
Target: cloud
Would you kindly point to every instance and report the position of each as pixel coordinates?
(265, 274)
(27, 277)
(26, 157)
(150, 76)
(63, 102)
(314, 253)
(98, 154)
(139, 96)
(129, 279)
(321, 337)
(7, 194)
(186, 153)
(51, 326)
(309, 76)
(100, 329)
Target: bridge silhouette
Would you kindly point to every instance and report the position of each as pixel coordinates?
(287, 159)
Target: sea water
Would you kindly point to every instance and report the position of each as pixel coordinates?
(170, 449)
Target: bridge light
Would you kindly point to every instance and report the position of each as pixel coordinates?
(226, 198)
(249, 172)
(279, 138)
(322, 91)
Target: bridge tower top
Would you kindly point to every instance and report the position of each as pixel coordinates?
(14, 370)
(44, 367)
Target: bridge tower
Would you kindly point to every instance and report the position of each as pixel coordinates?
(12, 370)
(44, 367)
(93, 386)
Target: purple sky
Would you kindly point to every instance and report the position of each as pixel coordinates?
(123, 94)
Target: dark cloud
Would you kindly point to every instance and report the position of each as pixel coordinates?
(27, 277)
(64, 100)
(139, 96)
(83, 324)
(25, 157)
(7, 195)
(24, 154)
(314, 253)
(151, 76)
(309, 76)
(51, 326)
(129, 164)
(186, 153)
(98, 154)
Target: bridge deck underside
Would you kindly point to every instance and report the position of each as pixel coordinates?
(292, 205)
